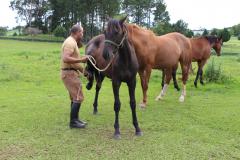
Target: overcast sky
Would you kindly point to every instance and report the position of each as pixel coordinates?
(197, 13)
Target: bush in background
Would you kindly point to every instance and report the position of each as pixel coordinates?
(214, 73)
(15, 34)
(60, 31)
(3, 31)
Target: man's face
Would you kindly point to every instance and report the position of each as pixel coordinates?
(79, 34)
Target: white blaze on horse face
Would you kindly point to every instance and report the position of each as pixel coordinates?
(162, 93)
(182, 97)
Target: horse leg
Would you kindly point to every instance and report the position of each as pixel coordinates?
(90, 75)
(131, 90)
(144, 76)
(174, 75)
(163, 78)
(185, 71)
(201, 71)
(197, 76)
(167, 81)
(99, 79)
(117, 104)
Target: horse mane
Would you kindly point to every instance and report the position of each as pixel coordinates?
(141, 29)
(211, 39)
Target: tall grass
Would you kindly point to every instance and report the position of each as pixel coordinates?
(214, 73)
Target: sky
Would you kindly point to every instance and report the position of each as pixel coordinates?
(197, 13)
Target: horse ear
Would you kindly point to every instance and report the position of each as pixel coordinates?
(121, 21)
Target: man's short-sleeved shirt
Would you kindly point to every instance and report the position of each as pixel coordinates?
(70, 44)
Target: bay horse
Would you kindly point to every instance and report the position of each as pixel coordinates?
(201, 52)
(114, 47)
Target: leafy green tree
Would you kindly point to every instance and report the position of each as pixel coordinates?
(160, 13)
(3, 31)
(162, 28)
(33, 12)
(214, 32)
(205, 32)
(225, 35)
(236, 30)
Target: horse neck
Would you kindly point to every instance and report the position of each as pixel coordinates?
(197, 44)
(125, 53)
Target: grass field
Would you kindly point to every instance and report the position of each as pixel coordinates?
(34, 113)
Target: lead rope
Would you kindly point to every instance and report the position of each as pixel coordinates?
(94, 63)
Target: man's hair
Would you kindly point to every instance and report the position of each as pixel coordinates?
(76, 28)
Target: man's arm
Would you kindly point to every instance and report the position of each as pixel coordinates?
(68, 58)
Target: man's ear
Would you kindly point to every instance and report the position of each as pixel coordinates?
(121, 21)
(108, 18)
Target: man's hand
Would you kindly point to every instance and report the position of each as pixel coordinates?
(83, 59)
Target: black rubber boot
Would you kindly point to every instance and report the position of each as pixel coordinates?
(74, 121)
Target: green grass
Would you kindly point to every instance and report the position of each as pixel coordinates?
(34, 109)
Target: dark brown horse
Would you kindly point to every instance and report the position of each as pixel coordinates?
(115, 48)
(201, 52)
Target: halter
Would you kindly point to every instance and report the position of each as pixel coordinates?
(93, 61)
(115, 44)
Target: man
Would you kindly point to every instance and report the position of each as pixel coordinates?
(70, 72)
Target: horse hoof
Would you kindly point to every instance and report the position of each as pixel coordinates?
(181, 99)
(202, 83)
(95, 112)
(195, 84)
(142, 105)
(178, 89)
(139, 134)
(117, 136)
(158, 98)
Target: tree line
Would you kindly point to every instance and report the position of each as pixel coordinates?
(57, 16)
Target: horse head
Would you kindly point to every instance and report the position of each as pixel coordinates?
(217, 46)
(115, 34)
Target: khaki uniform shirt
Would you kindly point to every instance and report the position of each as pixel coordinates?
(71, 45)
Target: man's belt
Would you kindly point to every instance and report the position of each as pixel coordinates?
(69, 69)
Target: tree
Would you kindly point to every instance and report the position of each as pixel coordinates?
(30, 10)
(214, 32)
(205, 32)
(225, 35)
(160, 13)
(236, 30)
(162, 28)
(3, 31)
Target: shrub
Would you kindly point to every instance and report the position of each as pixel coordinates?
(214, 73)
(60, 31)
(15, 34)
